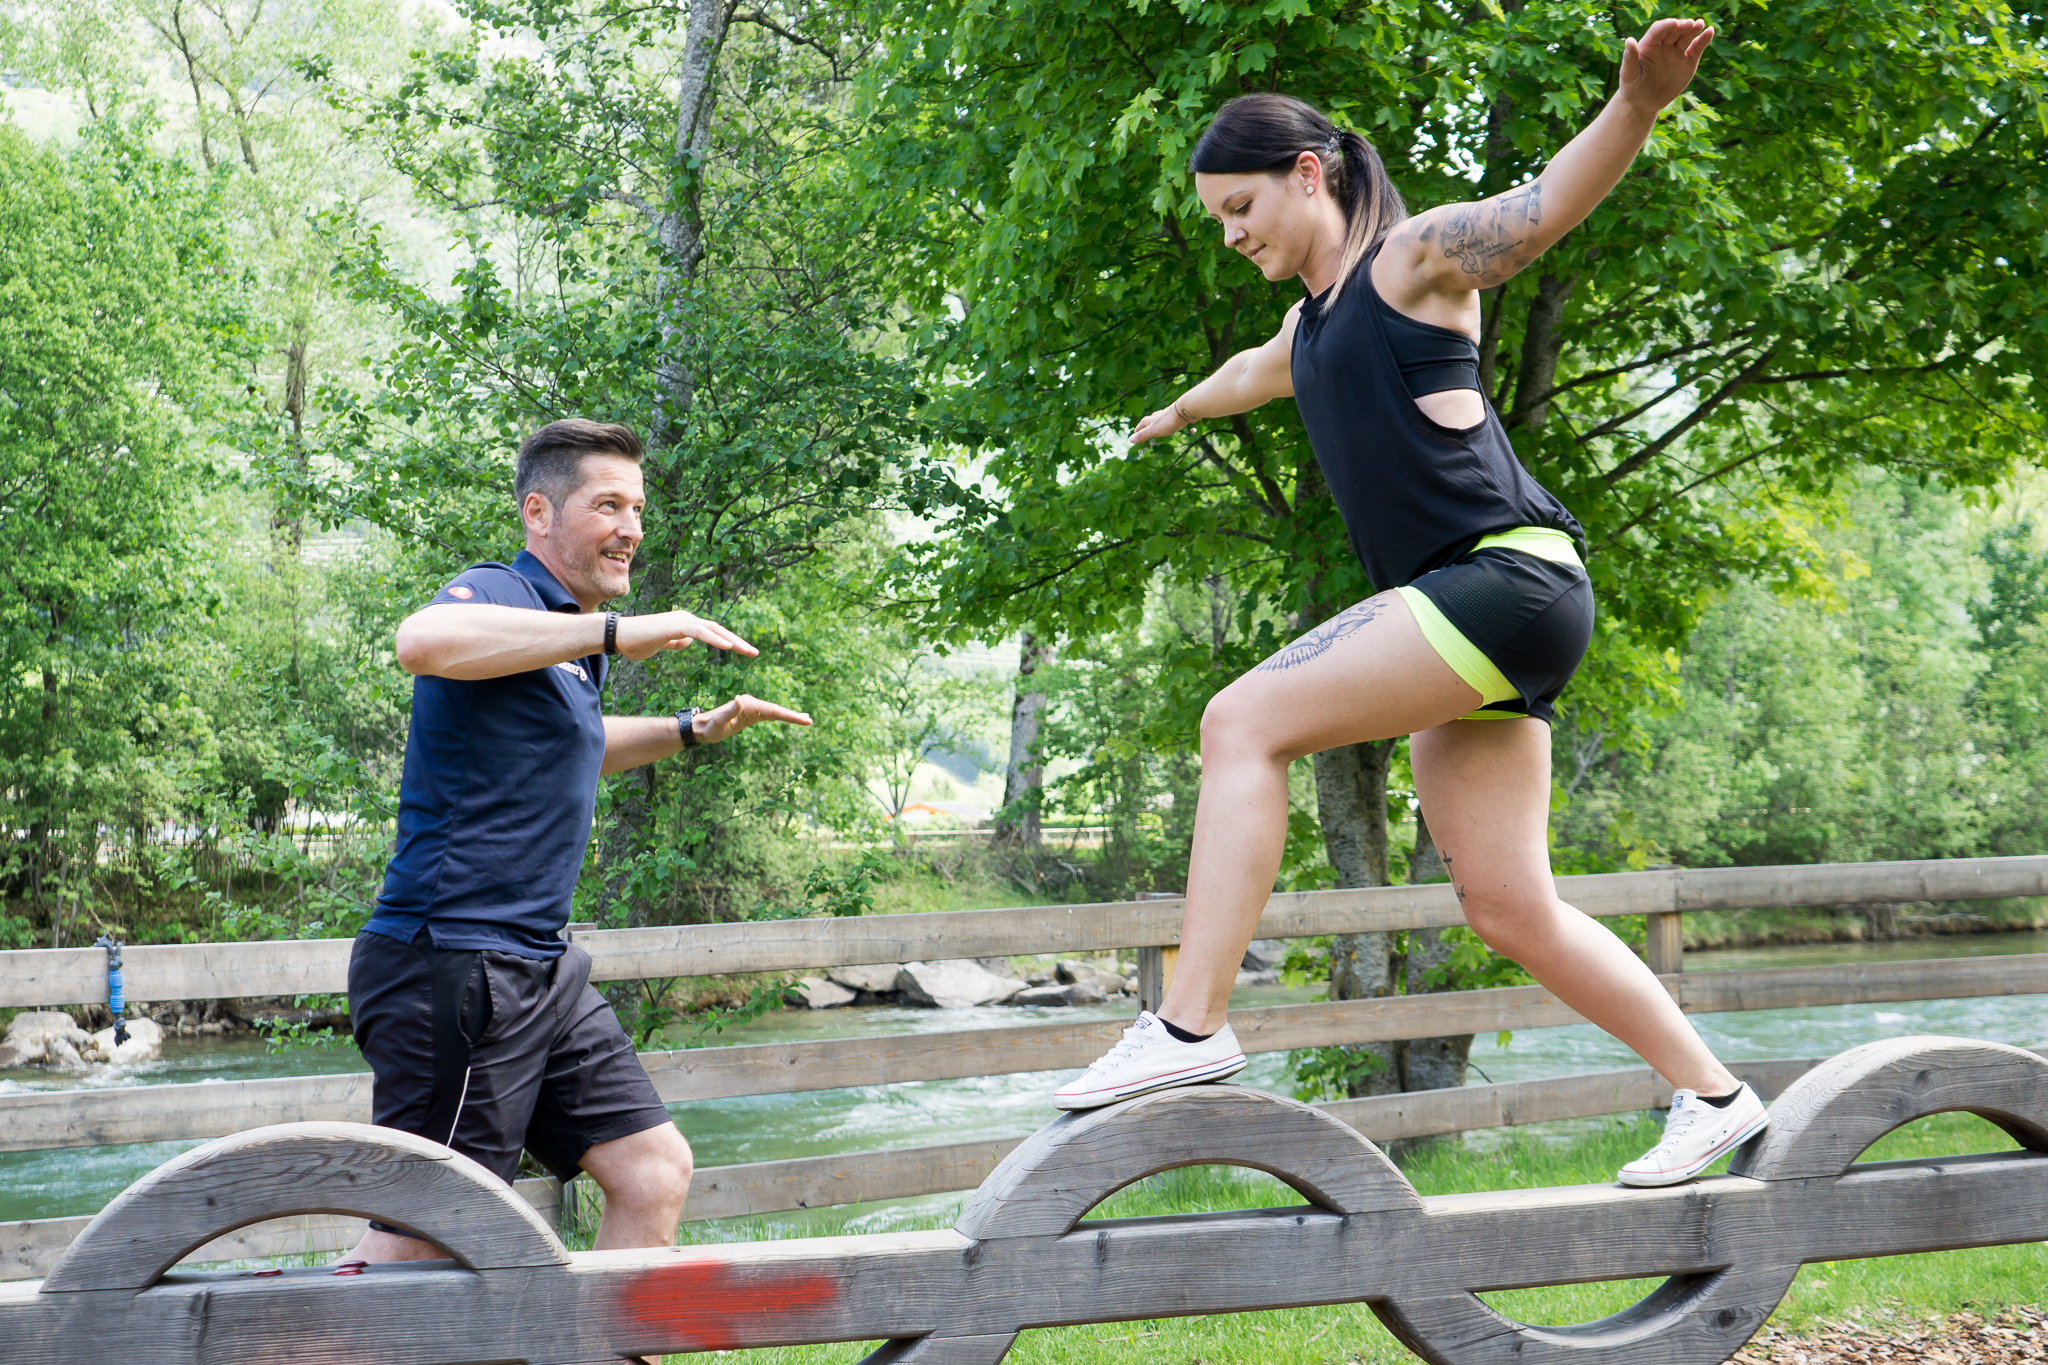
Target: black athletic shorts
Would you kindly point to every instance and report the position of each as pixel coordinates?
(1531, 617)
(489, 1052)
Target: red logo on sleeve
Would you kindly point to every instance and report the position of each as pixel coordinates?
(461, 591)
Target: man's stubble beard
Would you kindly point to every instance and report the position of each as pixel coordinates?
(591, 569)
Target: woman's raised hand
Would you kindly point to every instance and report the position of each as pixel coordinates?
(1656, 68)
(1164, 422)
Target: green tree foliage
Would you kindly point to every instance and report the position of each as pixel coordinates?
(1897, 718)
(119, 320)
(1831, 256)
(563, 167)
(657, 229)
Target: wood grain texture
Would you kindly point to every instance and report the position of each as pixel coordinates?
(936, 1350)
(1827, 1118)
(1932, 879)
(1664, 942)
(211, 1109)
(1072, 1164)
(813, 1182)
(852, 1178)
(208, 971)
(30, 1247)
(167, 1113)
(299, 1168)
(952, 1300)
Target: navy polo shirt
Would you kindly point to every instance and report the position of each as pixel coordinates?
(499, 791)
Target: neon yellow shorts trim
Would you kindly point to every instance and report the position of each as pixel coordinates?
(1460, 653)
(1540, 541)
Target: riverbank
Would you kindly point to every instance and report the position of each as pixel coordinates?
(1863, 923)
(708, 1000)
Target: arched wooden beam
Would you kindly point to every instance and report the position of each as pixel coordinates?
(1831, 1115)
(945, 1298)
(292, 1168)
(1819, 1126)
(1074, 1163)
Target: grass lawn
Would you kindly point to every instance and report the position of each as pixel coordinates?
(1844, 1290)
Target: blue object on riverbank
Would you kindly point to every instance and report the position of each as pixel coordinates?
(116, 1005)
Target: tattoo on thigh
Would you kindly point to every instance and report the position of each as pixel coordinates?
(1323, 638)
(1456, 886)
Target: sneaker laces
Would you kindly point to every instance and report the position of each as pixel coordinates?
(1683, 1116)
(1127, 1047)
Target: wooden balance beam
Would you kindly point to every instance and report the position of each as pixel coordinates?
(1021, 1256)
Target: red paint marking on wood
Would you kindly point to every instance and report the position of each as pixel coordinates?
(708, 1305)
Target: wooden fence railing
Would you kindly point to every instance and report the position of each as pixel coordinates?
(199, 971)
(1021, 1255)
(159, 1113)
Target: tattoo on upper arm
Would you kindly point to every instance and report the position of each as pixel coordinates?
(1478, 236)
(1323, 638)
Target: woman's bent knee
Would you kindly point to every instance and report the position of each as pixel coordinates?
(1234, 730)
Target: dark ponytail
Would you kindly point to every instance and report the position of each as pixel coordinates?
(1270, 132)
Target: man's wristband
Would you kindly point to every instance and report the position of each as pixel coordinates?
(611, 632)
(686, 723)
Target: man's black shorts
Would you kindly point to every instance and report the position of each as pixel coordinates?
(488, 1052)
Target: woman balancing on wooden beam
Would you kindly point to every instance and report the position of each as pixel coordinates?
(1482, 610)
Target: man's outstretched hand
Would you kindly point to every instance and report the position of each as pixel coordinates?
(643, 637)
(723, 722)
(1656, 68)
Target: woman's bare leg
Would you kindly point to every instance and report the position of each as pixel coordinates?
(1366, 673)
(1485, 789)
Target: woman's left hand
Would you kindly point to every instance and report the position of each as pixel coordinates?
(1656, 68)
(1164, 422)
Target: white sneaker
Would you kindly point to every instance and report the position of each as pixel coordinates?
(1149, 1058)
(1696, 1134)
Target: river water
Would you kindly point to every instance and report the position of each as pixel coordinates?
(50, 1184)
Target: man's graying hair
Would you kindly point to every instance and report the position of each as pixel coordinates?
(551, 460)
(1268, 132)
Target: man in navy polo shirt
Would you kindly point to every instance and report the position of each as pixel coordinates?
(479, 1023)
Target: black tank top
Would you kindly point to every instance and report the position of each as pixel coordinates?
(1414, 495)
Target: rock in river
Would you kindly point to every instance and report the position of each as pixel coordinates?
(953, 985)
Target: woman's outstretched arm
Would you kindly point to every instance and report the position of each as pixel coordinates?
(1246, 380)
(1460, 247)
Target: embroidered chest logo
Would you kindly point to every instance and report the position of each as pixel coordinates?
(571, 666)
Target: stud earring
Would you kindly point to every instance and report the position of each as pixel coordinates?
(1310, 188)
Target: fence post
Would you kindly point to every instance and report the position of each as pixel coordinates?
(1155, 965)
(1155, 974)
(1664, 941)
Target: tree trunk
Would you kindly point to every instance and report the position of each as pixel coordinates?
(1430, 1063)
(679, 229)
(1542, 344)
(1351, 801)
(1018, 824)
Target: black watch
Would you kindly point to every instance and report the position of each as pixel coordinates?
(611, 632)
(686, 721)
